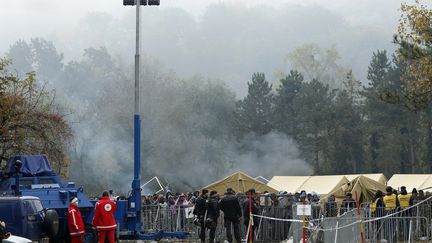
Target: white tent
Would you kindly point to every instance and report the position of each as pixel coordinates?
(418, 181)
(427, 185)
(323, 185)
(287, 183)
(319, 184)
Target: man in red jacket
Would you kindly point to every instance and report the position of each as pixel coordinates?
(103, 219)
(75, 222)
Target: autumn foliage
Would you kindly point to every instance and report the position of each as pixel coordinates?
(30, 122)
(415, 41)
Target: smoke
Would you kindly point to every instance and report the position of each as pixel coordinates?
(270, 155)
(188, 132)
(101, 159)
(187, 135)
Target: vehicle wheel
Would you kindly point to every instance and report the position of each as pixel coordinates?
(91, 235)
(51, 222)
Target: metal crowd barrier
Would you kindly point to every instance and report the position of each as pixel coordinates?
(275, 225)
(156, 218)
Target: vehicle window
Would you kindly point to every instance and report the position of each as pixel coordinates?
(28, 207)
(37, 205)
(32, 206)
(26, 182)
(47, 181)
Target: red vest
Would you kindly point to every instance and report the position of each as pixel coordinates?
(75, 221)
(104, 214)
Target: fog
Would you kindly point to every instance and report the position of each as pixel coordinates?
(197, 59)
(218, 39)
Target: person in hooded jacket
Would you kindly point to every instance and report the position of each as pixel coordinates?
(315, 205)
(230, 206)
(168, 194)
(180, 206)
(75, 222)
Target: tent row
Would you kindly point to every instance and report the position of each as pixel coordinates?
(411, 181)
(322, 185)
(365, 185)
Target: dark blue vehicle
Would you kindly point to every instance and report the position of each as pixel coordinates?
(37, 179)
(25, 216)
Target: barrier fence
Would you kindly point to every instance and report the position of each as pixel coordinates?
(281, 223)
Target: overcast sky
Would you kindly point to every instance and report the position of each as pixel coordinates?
(28, 18)
(360, 27)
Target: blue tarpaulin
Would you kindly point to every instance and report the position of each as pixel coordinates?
(31, 165)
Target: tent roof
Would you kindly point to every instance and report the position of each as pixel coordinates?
(410, 181)
(427, 185)
(287, 183)
(239, 182)
(319, 184)
(364, 186)
(380, 177)
(323, 184)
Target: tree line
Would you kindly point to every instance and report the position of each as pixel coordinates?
(371, 128)
(196, 130)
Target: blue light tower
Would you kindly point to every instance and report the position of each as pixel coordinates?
(135, 199)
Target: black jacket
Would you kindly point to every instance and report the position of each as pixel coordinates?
(230, 206)
(200, 206)
(212, 207)
(379, 212)
(347, 205)
(246, 212)
(330, 209)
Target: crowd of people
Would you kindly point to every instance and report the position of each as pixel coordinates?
(237, 206)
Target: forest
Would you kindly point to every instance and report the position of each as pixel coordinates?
(318, 118)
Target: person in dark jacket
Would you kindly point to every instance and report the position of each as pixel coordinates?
(246, 212)
(330, 207)
(212, 206)
(348, 203)
(377, 211)
(200, 211)
(230, 206)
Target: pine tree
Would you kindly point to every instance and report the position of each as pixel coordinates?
(285, 113)
(374, 106)
(254, 111)
(347, 134)
(314, 103)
